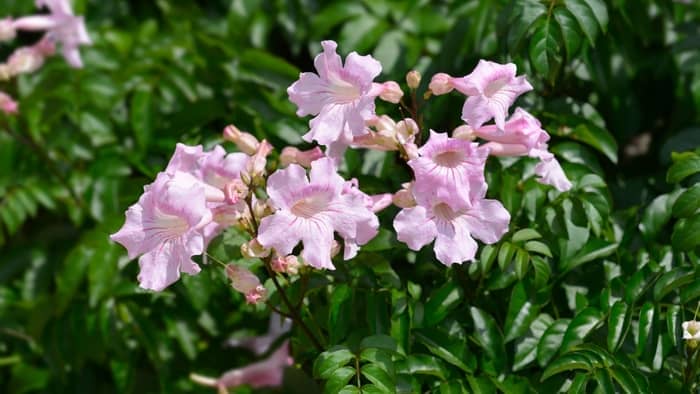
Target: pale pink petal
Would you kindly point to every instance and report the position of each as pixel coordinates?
(308, 93)
(453, 243)
(550, 172)
(281, 182)
(279, 231)
(184, 159)
(323, 172)
(365, 68)
(36, 22)
(328, 63)
(317, 237)
(414, 228)
(161, 267)
(487, 221)
(265, 373)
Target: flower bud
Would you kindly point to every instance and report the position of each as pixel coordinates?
(406, 130)
(440, 84)
(464, 132)
(404, 197)
(335, 248)
(411, 150)
(7, 30)
(25, 60)
(235, 191)
(691, 333)
(7, 104)
(498, 149)
(245, 142)
(261, 209)
(5, 73)
(288, 264)
(292, 155)
(391, 92)
(253, 249)
(246, 282)
(413, 79)
(256, 164)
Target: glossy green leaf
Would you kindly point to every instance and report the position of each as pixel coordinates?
(594, 249)
(585, 17)
(646, 325)
(538, 247)
(673, 280)
(618, 323)
(339, 314)
(338, 379)
(686, 233)
(380, 378)
(487, 335)
(687, 203)
(580, 327)
(545, 53)
(567, 362)
(604, 380)
(452, 351)
(597, 137)
(570, 31)
(383, 342)
(684, 165)
(525, 234)
(521, 313)
(673, 324)
(521, 263)
(551, 340)
(441, 302)
(329, 361)
(424, 364)
(656, 215)
(542, 271)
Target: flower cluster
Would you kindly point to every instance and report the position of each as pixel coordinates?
(305, 213)
(60, 26)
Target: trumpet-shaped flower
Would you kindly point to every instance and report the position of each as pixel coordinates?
(310, 211)
(450, 170)
(453, 230)
(492, 88)
(520, 129)
(61, 25)
(164, 229)
(549, 170)
(340, 96)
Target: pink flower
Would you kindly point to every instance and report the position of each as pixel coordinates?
(7, 30)
(164, 229)
(61, 26)
(245, 142)
(304, 158)
(310, 211)
(452, 230)
(492, 88)
(26, 60)
(449, 169)
(7, 104)
(246, 283)
(265, 373)
(341, 97)
(367, 223)
(261, 344)
(520, 129)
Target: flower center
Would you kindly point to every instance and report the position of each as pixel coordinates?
(310, 206)
(444, 212)
(449, 159)
(344, 91)
(169, 226)
(494, 86)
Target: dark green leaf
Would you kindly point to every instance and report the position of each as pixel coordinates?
(525, 234)
(329, 361)
(567, 362)
(338, 379)
(684, 165)
(452, 351)
(339, 314)
(441, 302)
(594, 249)
(141, 117)
(582, 325)
(545, 53)
(570, 30)
(585, 17)
(673, 280)
(538, 247)
(488, 336)
(383, 342)
(646, 325)
(673, 324)
(521, 313)
(522, 260)
(687, 203)
(686, 233)
(618, 324)
(379, 377)
(551, 341)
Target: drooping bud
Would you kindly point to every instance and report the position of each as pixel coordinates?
(246, 282)
(391, 92)
(245, 142)
(440, 84)
(464, 132)
(253, 249)
(7, 30)
(292, 155)
(413, 79)
(406, 130)
(404, 197)
(7, 104)
(288, 264)
(235, 191)
(256, 164)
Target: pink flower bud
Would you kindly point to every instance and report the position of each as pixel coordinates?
(246, 282)
(391, 92)
(404, 197)
(464, 132)
(288, 264)
(292, 155)
(25, 60)
(256, 164)
(411, 150)
(253, 249)
(498, 149)
(7, 104)
(413, 79)
(261, 209)
(245, 142)
(440, 84)
(406, 130)
(7, 30)
(235, 191)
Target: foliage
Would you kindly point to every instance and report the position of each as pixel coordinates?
(587, 291)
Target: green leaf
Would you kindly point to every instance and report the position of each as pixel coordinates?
(684, 165)
(600, 11)
(526, 12)
(329, 361)
(452, 351)
(424, 364)
(567, 362)
(605, 384)
(521, 313)
(656, 215)
(544, 49)
(338, 379)
(505, 254)
(339, 312)
(596, 137)
(578, 385)
(441, 302)
(551, 341)
(521, 263)
(646, 325)
(350, 390)
(673, 324)
(487, 257)
(141, 115)
(538, 247)
(525, 353)
(383, 342)
(687, 203)
(570, 30)
(379, 378)
(488, 336)
(525, 234)
(672, 280)
(626, 380)
(582, 325)
(686, 233)
(585, 17)
(618, 324)
(542, 271)
(594, 249)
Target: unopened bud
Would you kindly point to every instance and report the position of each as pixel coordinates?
(253, 249)
(406, 130)
(440, 84)
(235, 191)
(25, 60)
(261, 209)
(246, 282)
(7, 104)
(404, 197)
(5, 73)
(464, 132)
(245, 142)
(391, 92)
(413, 79)
(292, 155)
(7, 30)
(288, 264)
(257, 162)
